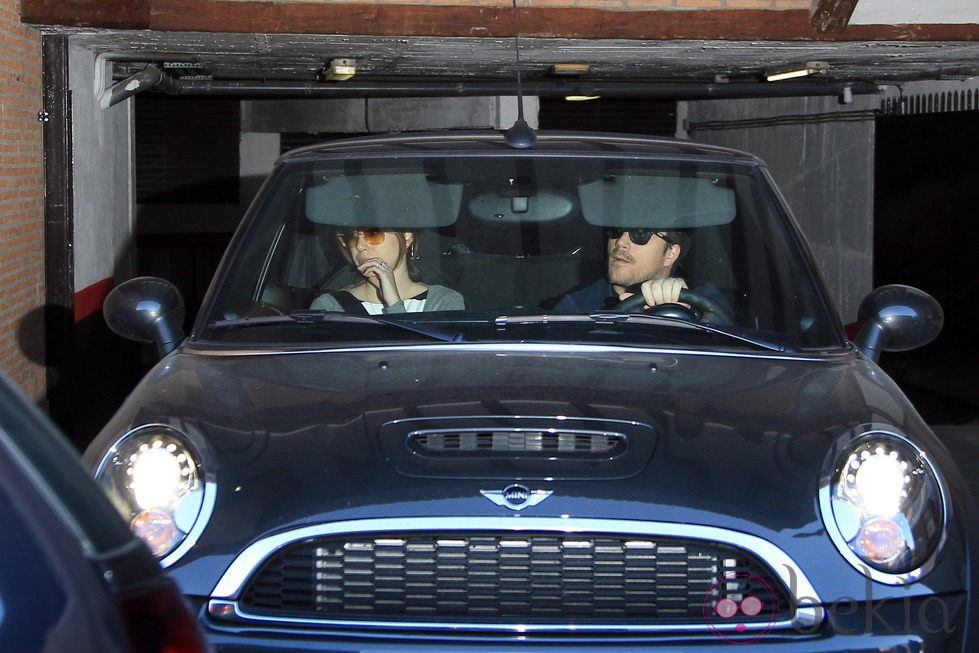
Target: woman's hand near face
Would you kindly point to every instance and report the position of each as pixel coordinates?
(379, 274)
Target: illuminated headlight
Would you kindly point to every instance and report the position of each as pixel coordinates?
(884, 507)
(156, 480)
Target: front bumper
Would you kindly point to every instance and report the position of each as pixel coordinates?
(935, 623)
(281, 593)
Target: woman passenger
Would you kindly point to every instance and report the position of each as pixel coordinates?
(391, 282)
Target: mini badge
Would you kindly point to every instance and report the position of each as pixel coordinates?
(516, 496)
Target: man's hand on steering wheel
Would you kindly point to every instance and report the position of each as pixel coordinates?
(661, 291)
(670, 297)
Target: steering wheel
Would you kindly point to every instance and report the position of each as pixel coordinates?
(703, 308)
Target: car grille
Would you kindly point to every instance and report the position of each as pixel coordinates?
(507, 576)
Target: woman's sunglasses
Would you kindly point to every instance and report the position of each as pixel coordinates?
(370, 236)
(637, 236)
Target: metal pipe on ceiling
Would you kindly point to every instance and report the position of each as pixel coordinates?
(151, 77)
(427, 87)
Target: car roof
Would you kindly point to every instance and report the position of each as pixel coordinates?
(490, 141)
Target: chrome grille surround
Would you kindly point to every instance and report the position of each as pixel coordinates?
(230, 598)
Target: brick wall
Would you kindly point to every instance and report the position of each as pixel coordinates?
(21, 204)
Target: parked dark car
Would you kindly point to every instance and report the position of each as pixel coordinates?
(329, 470)
(72, 575)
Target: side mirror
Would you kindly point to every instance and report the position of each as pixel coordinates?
(146, 309)
(897, 318)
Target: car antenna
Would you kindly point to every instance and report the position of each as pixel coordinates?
(520, 135)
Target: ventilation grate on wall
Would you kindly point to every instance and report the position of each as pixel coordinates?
(937, 101)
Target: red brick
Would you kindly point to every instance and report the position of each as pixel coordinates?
(21, 200)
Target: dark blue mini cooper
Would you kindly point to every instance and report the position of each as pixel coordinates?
(450, 391)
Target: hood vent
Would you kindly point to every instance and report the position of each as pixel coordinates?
(507, 447)
(516, 441)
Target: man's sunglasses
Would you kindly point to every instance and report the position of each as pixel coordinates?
(637, 236)
(370, 236)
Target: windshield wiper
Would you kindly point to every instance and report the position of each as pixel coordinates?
(712, 328)
(311, 316)
(614, 317)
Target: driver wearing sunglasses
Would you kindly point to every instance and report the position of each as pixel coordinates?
(388, 279)
(639, 260)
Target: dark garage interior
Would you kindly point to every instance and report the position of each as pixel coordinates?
(925, 230)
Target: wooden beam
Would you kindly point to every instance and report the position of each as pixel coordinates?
(111, 14)
(474, 21)
(831, 15)
(377, 19)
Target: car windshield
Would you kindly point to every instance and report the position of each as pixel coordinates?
(495, 241)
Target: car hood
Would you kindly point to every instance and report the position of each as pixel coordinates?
(294, 439)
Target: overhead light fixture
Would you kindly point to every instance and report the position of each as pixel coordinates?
(809, 68)
(340, 69)
(581, 98)
(570, 69)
